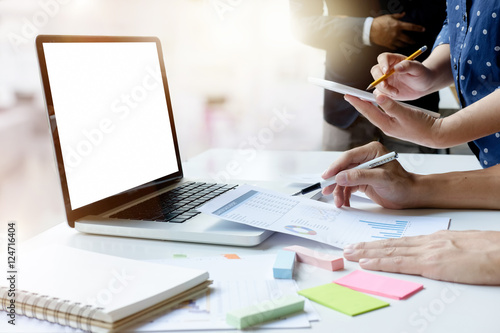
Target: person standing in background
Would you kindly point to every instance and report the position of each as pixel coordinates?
(354, 33)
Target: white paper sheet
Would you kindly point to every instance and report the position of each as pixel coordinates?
(315, 220)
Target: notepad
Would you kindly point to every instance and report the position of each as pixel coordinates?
(97, 292)
(379, 285)
(343, 299)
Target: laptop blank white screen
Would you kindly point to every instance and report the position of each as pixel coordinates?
(112, 117)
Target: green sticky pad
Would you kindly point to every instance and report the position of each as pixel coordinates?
(265, 311)
(343, 299)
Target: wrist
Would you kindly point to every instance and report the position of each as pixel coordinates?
(422, 192)
(438, 68)
(439, 136)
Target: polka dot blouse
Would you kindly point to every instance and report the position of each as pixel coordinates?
(472, 29)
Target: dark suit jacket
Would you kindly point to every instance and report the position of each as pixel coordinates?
(348, 60)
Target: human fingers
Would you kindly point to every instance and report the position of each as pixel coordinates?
(347, 195)
(390, 106)
(386, 63)
(405, 265)
(353, 254)
(370, 177)
(398, 255)
(338, 196)
(405, 122)
(417, 241)
(412, 241)
(329, 189)
(342, 196)
(354, 157)
(385, 88)
(407, 26)
(387, 60)
(376, 71)
(398, 16)
(412, 67)
(376, 116)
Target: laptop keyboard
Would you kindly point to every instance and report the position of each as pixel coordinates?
(175, 206)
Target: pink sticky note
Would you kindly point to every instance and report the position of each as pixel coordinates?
(379, 285)
(319, 259)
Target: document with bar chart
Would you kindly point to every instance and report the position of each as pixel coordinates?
(315, 220)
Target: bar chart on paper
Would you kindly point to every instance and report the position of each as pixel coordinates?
(386, 230)
(365, 227)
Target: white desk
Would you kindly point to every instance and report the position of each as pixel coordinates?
(440, 307)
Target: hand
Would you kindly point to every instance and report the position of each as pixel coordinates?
(471, 257)
(402, 122)
(411, 79)
(389, 31)
(389, 185)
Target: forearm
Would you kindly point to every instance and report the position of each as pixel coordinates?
(439, 65)
(478, 120)
(478, 189)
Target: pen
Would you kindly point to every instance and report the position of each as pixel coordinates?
(367, 165)
(386, 75)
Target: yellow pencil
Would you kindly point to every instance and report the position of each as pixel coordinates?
(386, 75)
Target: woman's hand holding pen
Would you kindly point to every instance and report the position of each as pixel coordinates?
(389, 185)
(411, 79)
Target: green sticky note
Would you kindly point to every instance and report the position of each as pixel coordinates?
(343, 299)
(179, 255)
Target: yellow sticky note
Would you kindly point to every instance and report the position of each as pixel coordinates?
(343, 299)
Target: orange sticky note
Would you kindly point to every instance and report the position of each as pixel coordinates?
(231, 256)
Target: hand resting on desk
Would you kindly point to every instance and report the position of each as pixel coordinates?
(471, 257)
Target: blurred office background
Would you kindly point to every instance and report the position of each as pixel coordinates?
(232, 65)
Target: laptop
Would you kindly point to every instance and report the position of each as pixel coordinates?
(116, 147)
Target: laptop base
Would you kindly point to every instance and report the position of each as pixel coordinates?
(211, 231)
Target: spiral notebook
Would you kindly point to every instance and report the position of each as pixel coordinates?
(96, 292)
